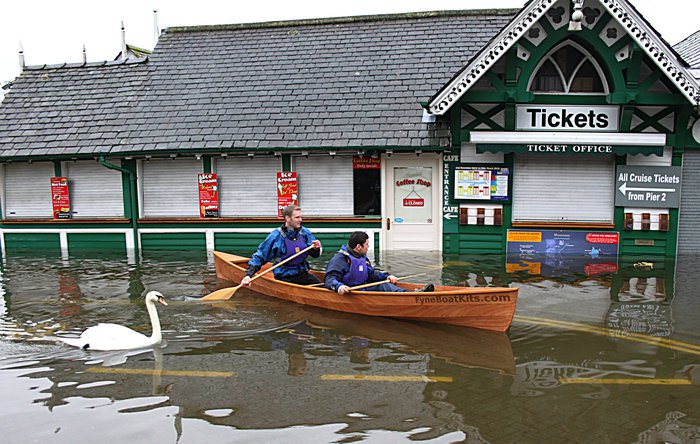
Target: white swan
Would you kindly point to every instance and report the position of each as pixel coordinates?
(118, 337)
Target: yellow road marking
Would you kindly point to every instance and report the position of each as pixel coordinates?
(145, 371)
(386, 378)
(660, 342)
(624, 381)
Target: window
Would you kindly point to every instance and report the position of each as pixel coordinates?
(570, 69)
(339, 185)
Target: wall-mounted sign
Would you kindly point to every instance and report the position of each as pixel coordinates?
(59, 198)
(555, 252)
(567, 118)
(413, 194)
(481, 182)
(366, 163)
(208, 195)
(287, 190)
(647, 187)
(594, 244)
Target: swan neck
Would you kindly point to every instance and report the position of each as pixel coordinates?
(156, 335)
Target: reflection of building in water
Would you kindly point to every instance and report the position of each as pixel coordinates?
(650, 319)
(651, 289)
(671, 431)
(532, 378)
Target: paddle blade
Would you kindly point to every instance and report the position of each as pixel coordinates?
(222, 294)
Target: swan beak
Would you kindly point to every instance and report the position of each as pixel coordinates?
(161, 299)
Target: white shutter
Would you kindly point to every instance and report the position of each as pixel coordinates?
(325, 185)
(563, 188)
(28, 189)
(95, 191)
(170, 188)
(688, 227)
(247, 187)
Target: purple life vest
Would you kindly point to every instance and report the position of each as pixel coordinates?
(293, 247)
(359, 271)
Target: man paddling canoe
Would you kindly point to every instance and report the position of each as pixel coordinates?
(351, 267)
(282, 243)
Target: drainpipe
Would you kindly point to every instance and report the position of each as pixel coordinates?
(132, 198)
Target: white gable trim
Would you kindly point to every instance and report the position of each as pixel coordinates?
(655, 47)
(636, 27)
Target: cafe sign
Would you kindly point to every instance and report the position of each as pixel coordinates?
(584, 118)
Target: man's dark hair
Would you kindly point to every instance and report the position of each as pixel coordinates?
(357, 238)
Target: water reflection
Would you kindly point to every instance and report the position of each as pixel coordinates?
(255, 369)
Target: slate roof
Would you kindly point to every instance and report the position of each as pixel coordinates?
(689, 49)
(349, 82)
(70, 108)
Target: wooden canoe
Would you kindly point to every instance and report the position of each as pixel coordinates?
(490, 308)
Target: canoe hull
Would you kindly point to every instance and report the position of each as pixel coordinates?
(488, 308)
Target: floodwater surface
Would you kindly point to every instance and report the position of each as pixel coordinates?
(598, 352)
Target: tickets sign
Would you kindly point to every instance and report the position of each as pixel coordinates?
(208, 195)
(59, 198)
(287, 190)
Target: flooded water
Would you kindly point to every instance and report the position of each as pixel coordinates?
(597, 353)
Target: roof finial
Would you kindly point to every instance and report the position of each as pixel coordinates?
(576, 16)
(123, 42)
(84, 55)
(156, 31)
(21, 58)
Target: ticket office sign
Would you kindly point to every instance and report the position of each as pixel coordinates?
(480, 182)
(287, 190)
(208, 195)
(60, 200)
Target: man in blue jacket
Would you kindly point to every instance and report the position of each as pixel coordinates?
(282, 243)
(350, 267)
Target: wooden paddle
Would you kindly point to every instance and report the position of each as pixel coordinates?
(372, 284)
(225, 293)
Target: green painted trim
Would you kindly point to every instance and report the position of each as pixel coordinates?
(286, 162)
(90, 241)
(47, 242)
(173, 241)
(57, 172)
(206, 164)
(128, 170)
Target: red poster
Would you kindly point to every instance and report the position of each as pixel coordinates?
(59, 198)
(208, 195)
(287, 190)
(366, 163)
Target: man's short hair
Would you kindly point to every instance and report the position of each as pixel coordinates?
(357, 238)
(289, 209)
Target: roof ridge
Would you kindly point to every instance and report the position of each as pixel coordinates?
(341, 20)
(127, 61)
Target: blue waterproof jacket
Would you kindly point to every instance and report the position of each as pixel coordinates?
(273, 247)
(339, 265)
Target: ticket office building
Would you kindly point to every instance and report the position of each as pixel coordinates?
(542, 129)
(580, 126)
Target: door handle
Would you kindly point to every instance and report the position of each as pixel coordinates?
(388, 223)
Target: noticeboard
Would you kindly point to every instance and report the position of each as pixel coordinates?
(553, 252)
(481, 182)
(647, 186)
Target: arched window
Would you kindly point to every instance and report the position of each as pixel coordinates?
(568, 69)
